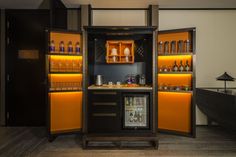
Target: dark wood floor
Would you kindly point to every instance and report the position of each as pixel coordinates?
(214, 142)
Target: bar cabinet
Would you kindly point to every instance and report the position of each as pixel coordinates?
(121, 109)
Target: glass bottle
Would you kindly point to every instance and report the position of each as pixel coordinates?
(187, 67)
(181, 67)
(166, 47)
(52, 47)
(175, 67)
(77, 48)
(70, 47)
(173, 47)
(187, 45)
(180, 46)
(61, 47)
(160, 47)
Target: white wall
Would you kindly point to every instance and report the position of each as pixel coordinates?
(215, 39)
(119, 18)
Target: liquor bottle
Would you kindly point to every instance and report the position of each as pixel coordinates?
(135, 116)
(187, 67)
(61, 47)
(160, 47)
(173, 46)
(52, 47)
(127, 102)
(166, 47)
(175, 67)
(70, 47)
(181, 67)
(180, 46)
(77, 48)
(187, 46)
(140, 117)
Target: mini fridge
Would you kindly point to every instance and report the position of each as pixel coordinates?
(136, 111)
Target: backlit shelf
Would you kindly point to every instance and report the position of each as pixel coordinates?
(65, 72)
(177, 54)
(64, 91)
(184, 72)
(63, 54)
(176, 91)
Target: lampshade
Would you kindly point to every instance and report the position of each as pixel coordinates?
(225, 77)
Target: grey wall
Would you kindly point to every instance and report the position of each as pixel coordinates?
(73, 19)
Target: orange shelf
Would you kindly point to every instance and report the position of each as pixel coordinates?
(57, 37)
(120, 46)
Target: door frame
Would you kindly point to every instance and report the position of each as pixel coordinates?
(2, 69)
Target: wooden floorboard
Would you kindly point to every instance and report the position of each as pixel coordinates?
(32, 142)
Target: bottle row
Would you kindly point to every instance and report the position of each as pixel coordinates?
(61, 48)
(64, 86)
(176, 67)
(66, 65)
(169, 87)
(174, 47)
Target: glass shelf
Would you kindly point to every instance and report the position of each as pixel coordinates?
(176, 91)
(64, 91)
(184, 72)
(65, 72)
(177, 54)
(63, 54)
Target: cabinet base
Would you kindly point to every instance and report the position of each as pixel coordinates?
(95, 141)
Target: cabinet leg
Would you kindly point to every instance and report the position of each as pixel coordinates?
(51, 138)
(84, 144)
(209, 121)
(155, 144)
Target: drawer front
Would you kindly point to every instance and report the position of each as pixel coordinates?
(104, 122)
(104, 112)
(103, 96)
(104, 107)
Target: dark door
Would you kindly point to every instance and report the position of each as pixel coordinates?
(25, 68)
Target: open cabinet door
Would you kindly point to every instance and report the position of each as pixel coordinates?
(65, 76)
(176, 81)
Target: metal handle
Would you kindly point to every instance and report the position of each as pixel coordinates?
(104, 104)
(104, 114)
(104, 93)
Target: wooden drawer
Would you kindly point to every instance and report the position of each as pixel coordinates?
(106, 107)
(104, 122)
(103, 96)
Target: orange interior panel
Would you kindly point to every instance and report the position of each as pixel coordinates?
(174, 111)
(66, 111)
(170, 60)
(175, 79)
(65, 37)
